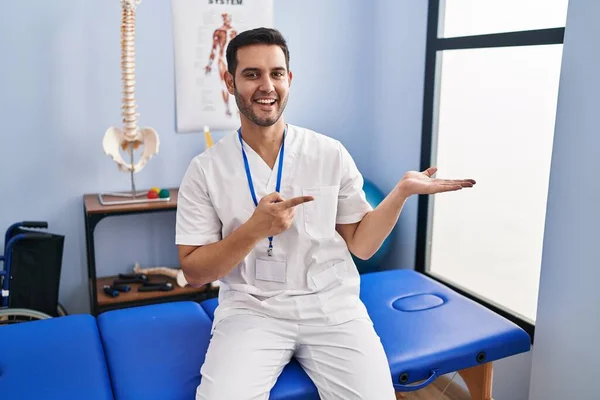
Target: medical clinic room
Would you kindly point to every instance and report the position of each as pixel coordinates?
(299, 199)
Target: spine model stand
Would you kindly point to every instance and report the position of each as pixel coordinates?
(131, 137)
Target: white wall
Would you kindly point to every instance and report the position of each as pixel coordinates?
(566, 350)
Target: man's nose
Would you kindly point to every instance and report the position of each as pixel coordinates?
(266, 85)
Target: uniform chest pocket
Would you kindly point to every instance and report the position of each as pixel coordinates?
(320, 214)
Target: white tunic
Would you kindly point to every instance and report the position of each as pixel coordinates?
(320, 283)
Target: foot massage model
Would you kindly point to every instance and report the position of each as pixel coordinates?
(274, 212)
(175, 273)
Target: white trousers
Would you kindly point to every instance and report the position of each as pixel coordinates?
(247, 353)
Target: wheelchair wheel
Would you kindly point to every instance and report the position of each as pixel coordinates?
(17, 315)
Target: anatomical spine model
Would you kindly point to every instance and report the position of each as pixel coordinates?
(131, 137)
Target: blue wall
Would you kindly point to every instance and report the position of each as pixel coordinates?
(399, 61)
(568, 321)
(60, 91)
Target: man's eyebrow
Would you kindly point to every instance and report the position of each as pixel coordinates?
(253, 69)
(250, 69)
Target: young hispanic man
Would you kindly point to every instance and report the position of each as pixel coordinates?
(274, 212)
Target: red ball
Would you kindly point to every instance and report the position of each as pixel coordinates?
(152, 194)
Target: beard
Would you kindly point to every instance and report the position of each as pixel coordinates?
(245, 107)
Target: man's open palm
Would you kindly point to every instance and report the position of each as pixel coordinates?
(415, 182)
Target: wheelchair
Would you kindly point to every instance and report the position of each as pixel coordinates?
(30, 279)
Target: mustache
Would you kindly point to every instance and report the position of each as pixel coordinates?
(265, 96)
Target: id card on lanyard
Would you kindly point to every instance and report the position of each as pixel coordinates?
(271, 267)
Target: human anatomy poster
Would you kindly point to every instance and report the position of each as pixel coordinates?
(202, 31)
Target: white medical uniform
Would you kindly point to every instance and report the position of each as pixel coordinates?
(307, 305)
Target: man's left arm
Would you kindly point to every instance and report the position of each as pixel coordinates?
(366, 236)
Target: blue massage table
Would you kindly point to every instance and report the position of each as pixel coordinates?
(156, 351)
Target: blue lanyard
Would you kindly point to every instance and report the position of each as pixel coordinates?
(249, 176)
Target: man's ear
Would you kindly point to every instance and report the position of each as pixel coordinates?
(229, 82)
(290, 76)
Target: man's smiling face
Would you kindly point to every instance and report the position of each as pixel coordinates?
(262, 83)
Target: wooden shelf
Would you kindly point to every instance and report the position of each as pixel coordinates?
(133, 296)
(94, 212)
(93, 206)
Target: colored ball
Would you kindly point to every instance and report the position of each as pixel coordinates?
(374, 196)
(155, 189)
(164, 193)
(152, 194)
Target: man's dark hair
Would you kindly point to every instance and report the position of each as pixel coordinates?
(255, 36)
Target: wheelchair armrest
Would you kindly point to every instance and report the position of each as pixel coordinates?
(35, 224)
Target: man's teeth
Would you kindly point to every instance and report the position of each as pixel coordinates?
(261, 101)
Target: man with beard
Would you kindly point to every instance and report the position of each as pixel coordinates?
(274, 212)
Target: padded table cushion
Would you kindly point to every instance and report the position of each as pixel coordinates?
(53, 358)
(210, 306)
(425, 326)
(155, 351)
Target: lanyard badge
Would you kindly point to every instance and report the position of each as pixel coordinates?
(249, 176)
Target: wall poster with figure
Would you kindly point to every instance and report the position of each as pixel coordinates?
(202, 30)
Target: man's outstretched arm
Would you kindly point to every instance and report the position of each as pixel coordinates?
(364, 238)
